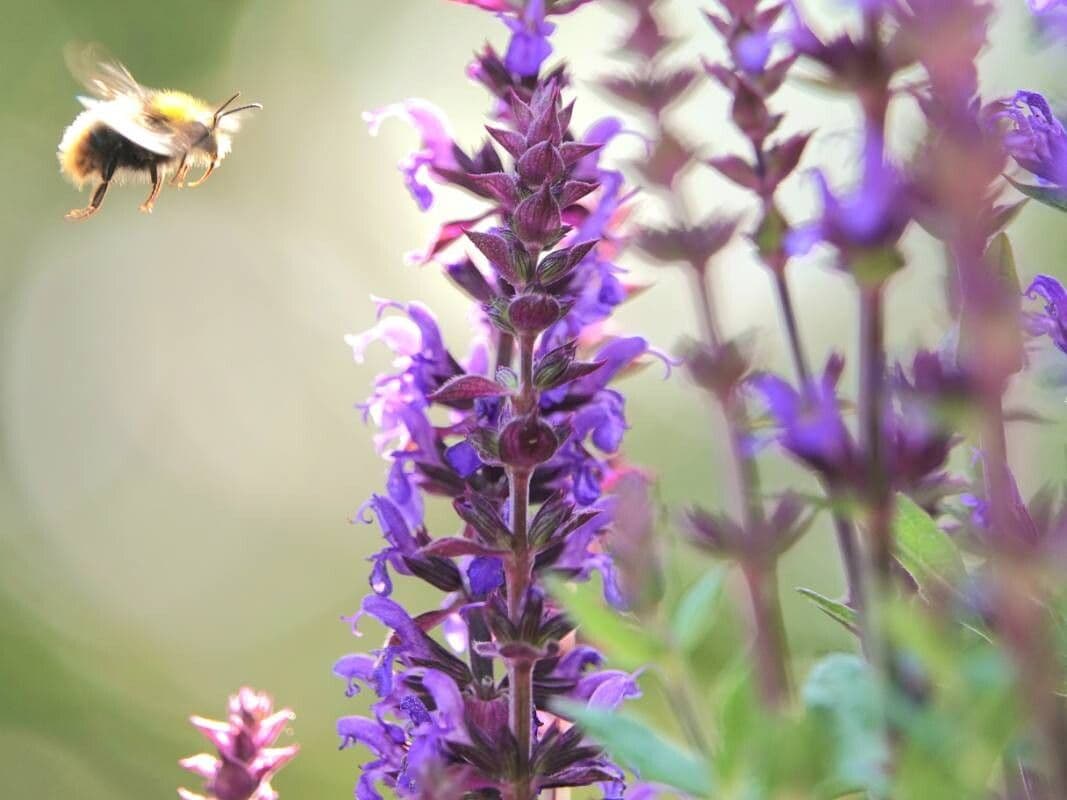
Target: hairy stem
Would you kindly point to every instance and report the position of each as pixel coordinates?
(762, 584)
(851, 560)
(792, 329)
(878, 497)
(872, 412)
(770, 639)
(519, 576)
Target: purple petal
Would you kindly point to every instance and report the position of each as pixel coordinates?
(485, 574)
(463, 458)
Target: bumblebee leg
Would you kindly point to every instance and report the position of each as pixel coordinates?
(98, 194)
(178, 178)
(157, 185)
(202, 178)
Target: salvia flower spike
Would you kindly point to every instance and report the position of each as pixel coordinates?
(527, 450)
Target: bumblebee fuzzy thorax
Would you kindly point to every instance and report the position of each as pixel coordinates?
(210, 139)
(129, 132)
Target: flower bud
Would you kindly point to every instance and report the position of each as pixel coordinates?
(545, 127)
(750, 113)
(533, 313)
(440, 573)
(497, 185)
(551, 367)
(497, 310)
(506, 254)
(573, 191)
(542, 163)
(470, 279)
(526, 442)
(513, 142)
(558, 264)
(478, 512)
(718, 369)
(537, 219)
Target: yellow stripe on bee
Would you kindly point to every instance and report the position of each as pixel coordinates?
(178, 106)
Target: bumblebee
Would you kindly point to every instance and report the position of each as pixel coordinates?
(130, 132)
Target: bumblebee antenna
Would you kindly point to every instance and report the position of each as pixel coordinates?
(249, 107)
(221, 112)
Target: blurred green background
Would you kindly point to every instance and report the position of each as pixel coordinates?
(180, 453)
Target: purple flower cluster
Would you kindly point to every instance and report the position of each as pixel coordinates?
(1051, 15)
(530, 420)
(245, 761)
(529, 46)
(811, 428)
(1034, 137)
(1053, 322)
(869, 219)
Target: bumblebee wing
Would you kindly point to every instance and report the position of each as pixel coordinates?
(100, 73)
(125, 115)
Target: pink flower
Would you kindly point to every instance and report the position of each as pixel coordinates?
(245, 760)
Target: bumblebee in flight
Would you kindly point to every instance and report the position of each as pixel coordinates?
(130, 132)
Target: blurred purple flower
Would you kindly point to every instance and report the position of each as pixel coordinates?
(1035, 138)
(529, 46)
(811, 427)
(1051, 15)
(437, 149)
(871, 217)
(246, 761)
(1053, 322)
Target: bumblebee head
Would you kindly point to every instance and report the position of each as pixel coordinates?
(215, 139)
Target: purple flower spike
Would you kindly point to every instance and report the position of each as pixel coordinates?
(523, 437)
(245, 761)
(1053, 323)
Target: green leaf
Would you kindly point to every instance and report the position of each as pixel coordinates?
(843, 697)
(770, 235)
(952, 740)
(1000, 255)
(738, 716)
(641, 749)
(628, 646)
(923, 548)
(835, 609)
(694, 614)
(874, 267)
(1004, 215)
(1046, 195)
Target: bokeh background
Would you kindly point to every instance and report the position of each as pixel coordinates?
(181, 456)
